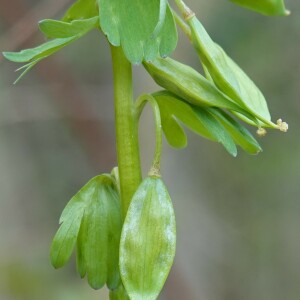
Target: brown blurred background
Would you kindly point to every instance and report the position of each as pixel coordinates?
(237, 218)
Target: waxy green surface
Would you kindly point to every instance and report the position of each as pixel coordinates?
(227, 75)
(266, 7)
(148, 241)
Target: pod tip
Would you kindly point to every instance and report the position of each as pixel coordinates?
(282, 126)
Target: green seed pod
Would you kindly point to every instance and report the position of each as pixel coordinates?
(118, 294)
(265, 7)
(188, 84)
(148, 240)
(93, 219)
(227, 75)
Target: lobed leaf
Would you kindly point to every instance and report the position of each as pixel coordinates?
(148, 239)
(99, 236)
(65, 238)
(93, 219)
(81, 9)
(60, 29)
(40, 51)
(266, 7)
(65, 34)
(144, 29)
(239, 133)
(197, 119)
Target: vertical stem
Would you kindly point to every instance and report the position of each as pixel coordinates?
(126, 128)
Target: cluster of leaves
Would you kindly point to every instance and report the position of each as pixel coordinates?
(133, 256)
(147, 32)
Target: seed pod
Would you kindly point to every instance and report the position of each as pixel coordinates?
(148, 239)
(266, 7)
(227, 75)
(188, 84)
(93, 218)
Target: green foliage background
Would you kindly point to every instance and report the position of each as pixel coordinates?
(237, 218)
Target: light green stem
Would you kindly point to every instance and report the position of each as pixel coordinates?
(184, 27)
(141, 101)
(184, 9)
(126, 128)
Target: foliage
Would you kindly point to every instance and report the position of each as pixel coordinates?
(123, 227)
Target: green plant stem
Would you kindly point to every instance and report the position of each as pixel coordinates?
(141, 101)
(126, 128)
(184, 9)
(184, 27)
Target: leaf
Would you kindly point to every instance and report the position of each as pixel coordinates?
(174, 133)
(65, 239)
(43, 50)
(70, 220)
(265, 7)
(217, 130)
(148, 239)
(197, 119)
(60, 29)
(188, 84)
(99, 236)
(52, 28)
(144, 29)
(93, 219)
(239, 133)
(81, 9)
(95, 241)
(227, 75)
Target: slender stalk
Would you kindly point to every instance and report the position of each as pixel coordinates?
(184, 27)
(184, 9)
(126, 128)
(141, 101)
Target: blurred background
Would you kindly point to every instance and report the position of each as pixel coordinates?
(237, 218)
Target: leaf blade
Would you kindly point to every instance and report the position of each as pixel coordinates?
(143, 29)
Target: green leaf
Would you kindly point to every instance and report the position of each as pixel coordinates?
(217, 130)
(266, 7)
(239, 133)
(187, 83)
(197, 119)
(148, 241)
(93, 218)
(43, 50)
(60, 29)
(81, 9)
(65, 238)
(227, 75)
(174, 133)
(144, 29)
(173, 108)
(99, 236)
